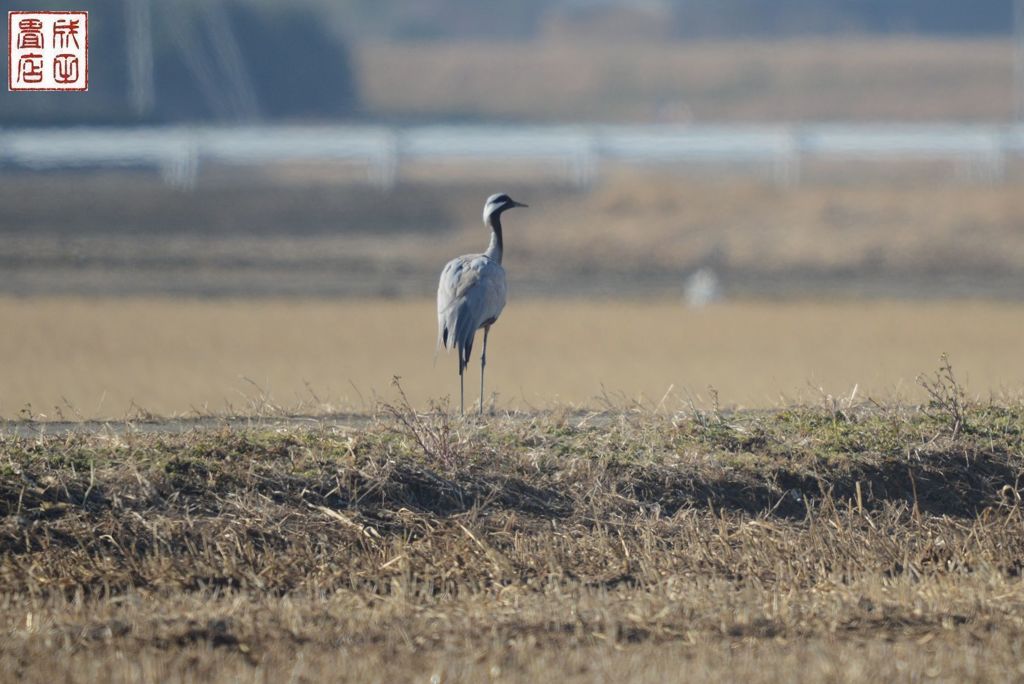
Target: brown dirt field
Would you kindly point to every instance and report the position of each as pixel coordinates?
(634, 235)
(112, 357)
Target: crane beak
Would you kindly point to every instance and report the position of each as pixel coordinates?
(519, 204)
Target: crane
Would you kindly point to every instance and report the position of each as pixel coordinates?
(471, 295)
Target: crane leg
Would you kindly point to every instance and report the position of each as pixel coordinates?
(465, 351)
(483, 364)
(462, 389)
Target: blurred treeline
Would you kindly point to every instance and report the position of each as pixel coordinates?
(164, 61)
(524, 19)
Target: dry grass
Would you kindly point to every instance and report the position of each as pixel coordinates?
(836, 78)
(88, 358)
(846, 544)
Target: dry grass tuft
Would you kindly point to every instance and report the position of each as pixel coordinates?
(847, 543)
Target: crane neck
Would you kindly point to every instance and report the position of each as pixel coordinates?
(497, 246)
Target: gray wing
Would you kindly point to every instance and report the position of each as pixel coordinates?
(471, 292)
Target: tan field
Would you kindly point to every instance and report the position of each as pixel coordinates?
(95, 358)
(844, 78)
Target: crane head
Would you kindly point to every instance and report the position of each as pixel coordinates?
(499, 203)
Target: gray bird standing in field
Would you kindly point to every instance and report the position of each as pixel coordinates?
(471, 295)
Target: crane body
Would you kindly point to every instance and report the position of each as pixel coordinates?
(471, 295)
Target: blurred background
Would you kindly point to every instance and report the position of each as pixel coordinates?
(764, 200)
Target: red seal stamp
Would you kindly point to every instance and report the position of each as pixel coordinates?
(47, 51)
